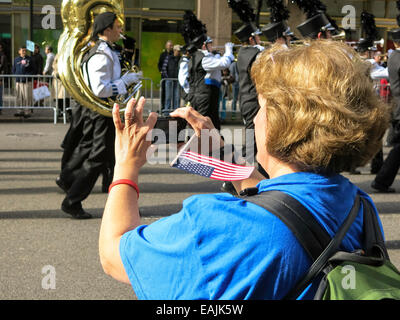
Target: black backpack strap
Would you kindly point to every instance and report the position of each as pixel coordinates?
(373, 244)
(329, 251)
(311, 235)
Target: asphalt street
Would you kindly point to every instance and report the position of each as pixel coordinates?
(44, 254)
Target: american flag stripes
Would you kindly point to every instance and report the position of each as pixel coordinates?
(210, 167)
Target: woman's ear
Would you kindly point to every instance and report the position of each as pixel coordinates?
(261, 100)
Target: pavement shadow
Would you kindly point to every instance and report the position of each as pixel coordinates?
(164, 210)
(392, 244)
(31, 150)
(97, 213)
(200, 187)
(37, 190)
(387, 207)
(30, 160)
(166, 170)
(38, 172)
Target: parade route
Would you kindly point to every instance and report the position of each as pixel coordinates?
(36, 234)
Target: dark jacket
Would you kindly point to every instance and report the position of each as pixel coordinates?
(23, 66)
(247, 92)
(38, 62)
(163, 55)
(4, 65)
(173, 67)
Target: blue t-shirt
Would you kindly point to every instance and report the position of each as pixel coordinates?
(222, 247)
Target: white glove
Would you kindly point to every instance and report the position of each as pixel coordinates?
(228, 48)
(131, 77)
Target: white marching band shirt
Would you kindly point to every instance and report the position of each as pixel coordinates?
(183, 74)
(213, 64)
(104, 73)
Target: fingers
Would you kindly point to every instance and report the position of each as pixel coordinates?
(189, 114)
(194, 118)
(117, 118)
(129, 113)
(138, 111)
(151, 120)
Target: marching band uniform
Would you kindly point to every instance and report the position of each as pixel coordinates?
(205, 80)
(248, 98)
(183, 76)
(95, 153)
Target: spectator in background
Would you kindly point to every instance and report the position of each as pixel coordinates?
(4, 69)
(23, 65)
(48, 68)
(38, 60)
(162, 67)
(226, 80)
(172, 90)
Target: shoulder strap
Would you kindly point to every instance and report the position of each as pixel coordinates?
(374, 244)
(311, 235)
(329, 251)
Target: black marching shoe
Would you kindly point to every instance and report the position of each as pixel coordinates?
(75, 211)
(61, 184)
(228, 187)
(382, 188)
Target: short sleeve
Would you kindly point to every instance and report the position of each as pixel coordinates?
(161, 259)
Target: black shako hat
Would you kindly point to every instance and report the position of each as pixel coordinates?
(311, 27)
(365, 45)
(246, 31)
(102, 22)
(395, 34)
(273, 31)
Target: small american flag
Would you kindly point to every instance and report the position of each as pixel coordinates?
(210, 167)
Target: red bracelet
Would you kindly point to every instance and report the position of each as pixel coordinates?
(125, 181)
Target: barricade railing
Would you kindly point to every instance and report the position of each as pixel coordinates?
(29, 92)
(148, 91)
(34, 92)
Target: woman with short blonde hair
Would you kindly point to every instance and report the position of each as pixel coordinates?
(318, 116)
(322, 112)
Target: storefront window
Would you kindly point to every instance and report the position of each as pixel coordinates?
(154, 35)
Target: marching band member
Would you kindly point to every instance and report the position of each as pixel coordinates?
(205, 77)
(95, 152)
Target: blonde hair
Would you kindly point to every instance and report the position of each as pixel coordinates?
(323, 114)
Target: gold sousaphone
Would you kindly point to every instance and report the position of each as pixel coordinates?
(78, 17)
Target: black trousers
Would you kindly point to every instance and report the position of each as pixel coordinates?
(249, 151)
(73, 135)
(93, 156)
(207, 104)
(390, 167)
(377, 162)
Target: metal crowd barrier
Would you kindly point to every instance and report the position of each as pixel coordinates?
(29, 92)
(46, 92)
(148, 91)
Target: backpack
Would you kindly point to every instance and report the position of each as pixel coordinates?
(364, 274)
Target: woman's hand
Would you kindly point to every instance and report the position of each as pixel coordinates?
(130, 139)
(194, 118)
